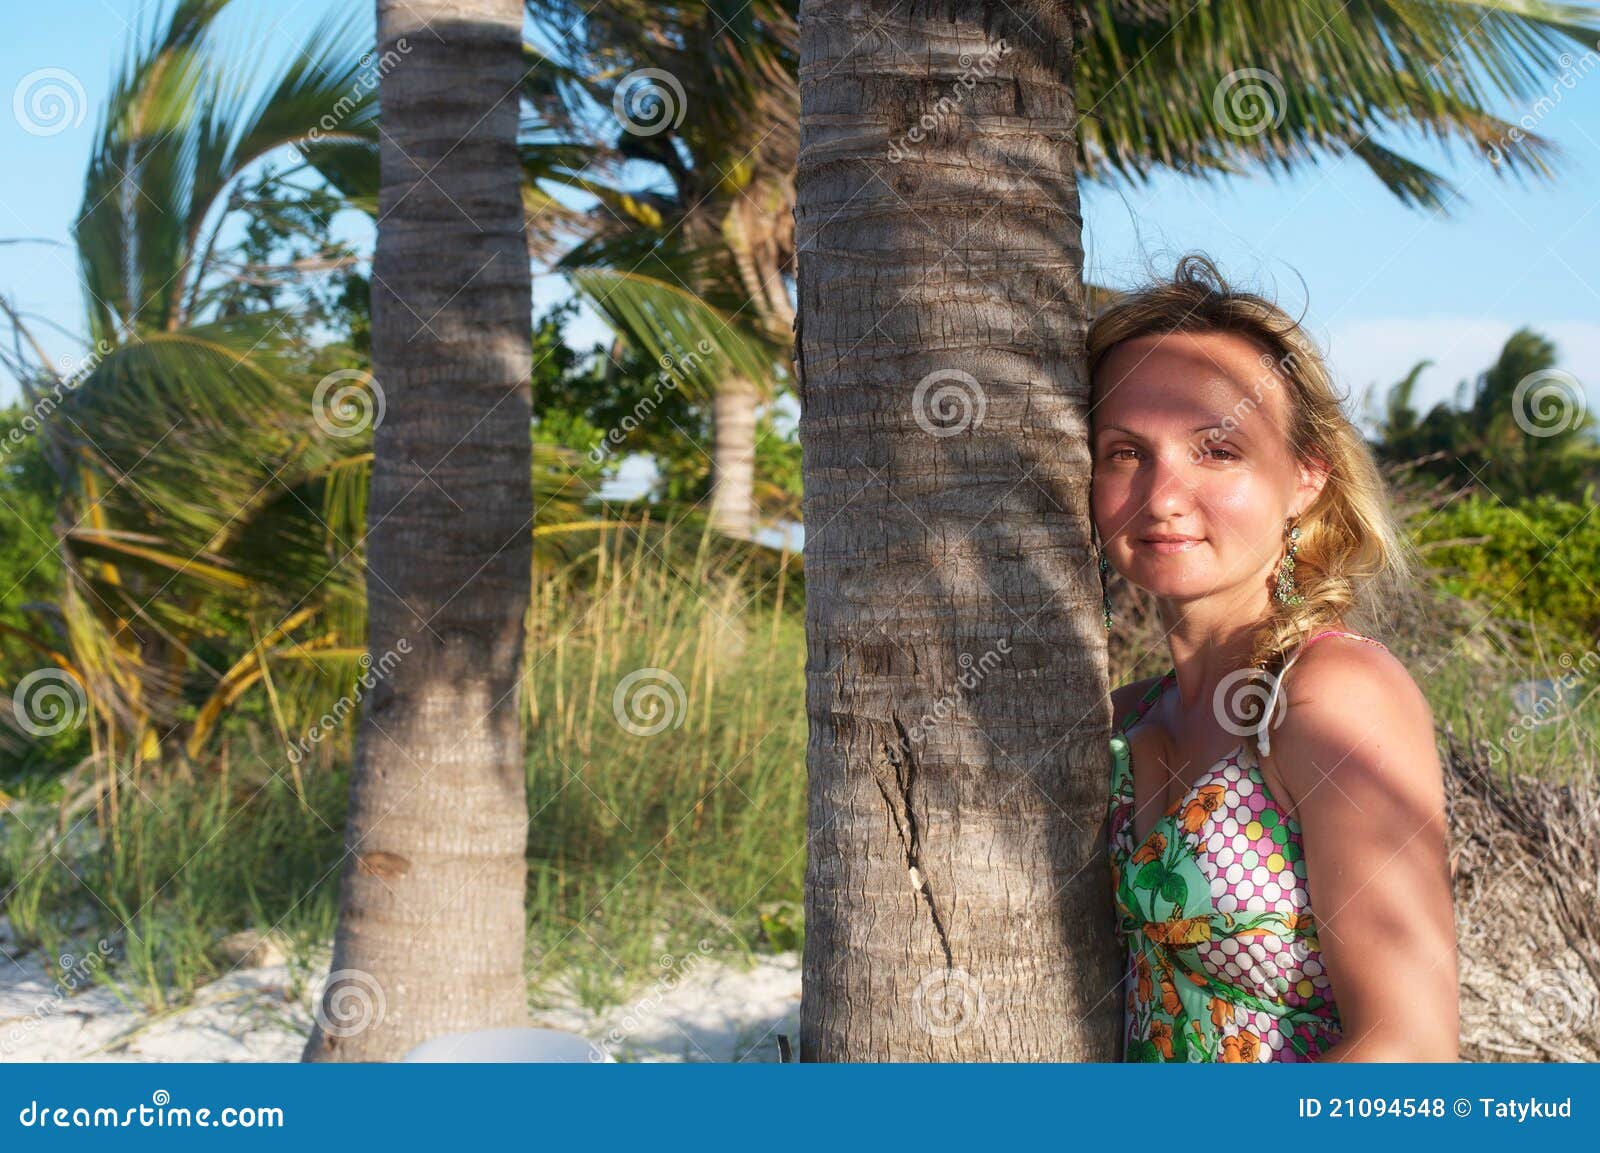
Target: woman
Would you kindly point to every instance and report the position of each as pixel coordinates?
(1282, 758)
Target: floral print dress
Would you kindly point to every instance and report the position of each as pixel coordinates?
(1223, 962)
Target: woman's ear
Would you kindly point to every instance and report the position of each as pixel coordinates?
(1313, 477)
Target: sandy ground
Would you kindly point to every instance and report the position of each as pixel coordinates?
(52, 1009)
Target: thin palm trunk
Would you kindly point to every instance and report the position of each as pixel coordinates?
(431, 925)
(733, 457)
(958, 901)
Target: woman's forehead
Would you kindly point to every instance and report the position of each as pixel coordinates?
(1185, 376)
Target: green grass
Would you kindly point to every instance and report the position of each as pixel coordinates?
(1470, 689)
(640, 844)
(185, 863)
(646, 842)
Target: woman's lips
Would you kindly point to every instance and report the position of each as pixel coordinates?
(1164, 547)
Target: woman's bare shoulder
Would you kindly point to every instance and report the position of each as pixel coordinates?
(1125, 699)
(1353, 707)
(1347, 670)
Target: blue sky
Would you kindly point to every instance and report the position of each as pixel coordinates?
(1386, 285)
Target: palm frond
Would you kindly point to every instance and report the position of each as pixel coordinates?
(695, 344)
(181, 125)
(1230, 85)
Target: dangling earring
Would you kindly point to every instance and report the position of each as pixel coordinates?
(1105, 588)
(1285, 591)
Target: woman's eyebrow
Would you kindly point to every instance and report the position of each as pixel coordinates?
(1218, 423)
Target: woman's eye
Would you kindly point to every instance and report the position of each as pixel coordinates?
(1221, 453)
(1122, 453)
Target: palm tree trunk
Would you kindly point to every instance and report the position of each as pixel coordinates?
(733, 458)
(431, 925)
(958, 902)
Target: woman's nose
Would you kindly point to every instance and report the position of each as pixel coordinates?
(1171, 490)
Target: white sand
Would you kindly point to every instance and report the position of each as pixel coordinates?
(704, 1009)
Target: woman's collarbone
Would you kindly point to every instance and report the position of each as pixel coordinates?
(1151, 745)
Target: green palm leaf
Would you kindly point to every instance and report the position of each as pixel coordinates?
(181, 125)
(1224, 86)
(696, 344)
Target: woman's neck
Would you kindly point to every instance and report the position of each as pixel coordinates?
(1209, 639)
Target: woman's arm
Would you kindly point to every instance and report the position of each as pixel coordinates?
(1356, 752)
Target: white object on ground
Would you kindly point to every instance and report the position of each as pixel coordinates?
(510, 1044)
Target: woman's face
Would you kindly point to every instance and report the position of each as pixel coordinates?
(1190, 440)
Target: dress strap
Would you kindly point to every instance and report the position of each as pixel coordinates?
(1263, 739)
(1151, 695)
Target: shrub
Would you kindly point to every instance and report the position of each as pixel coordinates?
(1536, 561)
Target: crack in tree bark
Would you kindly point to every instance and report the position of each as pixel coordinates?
(896, 773)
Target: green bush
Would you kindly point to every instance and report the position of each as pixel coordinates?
(1536, 561)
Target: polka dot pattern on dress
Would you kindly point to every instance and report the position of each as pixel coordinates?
(1249, 854)
(1223, 960)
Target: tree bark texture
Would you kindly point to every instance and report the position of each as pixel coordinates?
(958, 901)
(733, 457)
(431, 927)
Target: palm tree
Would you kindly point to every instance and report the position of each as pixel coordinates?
(730, 73)
(1519, 429)
(210, 505)
(703, 95)
(695, 276)
(198, 500)
(431, 926)
(956, 666)
(1226, 86)
(957, 899)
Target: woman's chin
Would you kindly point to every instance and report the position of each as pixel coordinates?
(1171, 582)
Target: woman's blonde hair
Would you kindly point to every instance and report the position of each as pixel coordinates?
(1350, 549)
